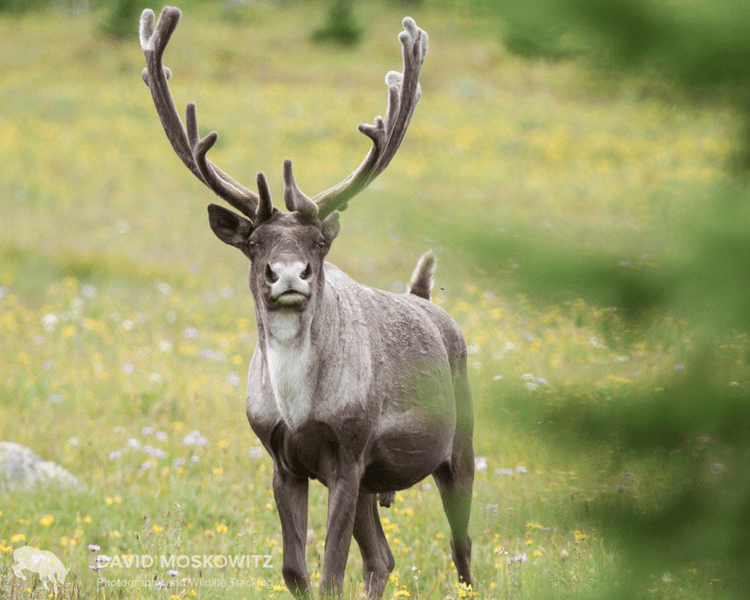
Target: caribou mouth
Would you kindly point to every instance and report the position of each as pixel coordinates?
(291, 298)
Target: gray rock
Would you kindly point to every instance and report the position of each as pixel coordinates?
(20, 468)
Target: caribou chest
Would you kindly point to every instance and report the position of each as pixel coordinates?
(288, 359)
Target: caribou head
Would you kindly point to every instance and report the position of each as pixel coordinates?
(286, 250)
(362, 389)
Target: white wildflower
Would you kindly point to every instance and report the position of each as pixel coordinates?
(256, 452)
(49, 322)
(162, 287)
(518, 558)
(194, 438)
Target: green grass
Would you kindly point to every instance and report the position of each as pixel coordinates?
(126, 325)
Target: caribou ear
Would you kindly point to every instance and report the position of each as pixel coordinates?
(330, 227)
(228, 226)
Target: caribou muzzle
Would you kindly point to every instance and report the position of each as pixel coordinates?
(287, 283)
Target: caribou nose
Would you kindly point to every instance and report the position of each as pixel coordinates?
(271, 275)
(282, 272)
(289, 281)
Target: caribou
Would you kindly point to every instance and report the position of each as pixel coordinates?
(364, 390)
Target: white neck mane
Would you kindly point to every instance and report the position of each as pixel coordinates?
(289, 356)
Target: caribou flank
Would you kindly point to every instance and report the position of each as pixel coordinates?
(362, 389)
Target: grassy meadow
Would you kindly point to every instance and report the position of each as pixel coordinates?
(127, 327)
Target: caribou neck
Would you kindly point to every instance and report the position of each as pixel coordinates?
(294, 346)
(295, 330)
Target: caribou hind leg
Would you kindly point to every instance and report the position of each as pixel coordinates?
(377, 559)
(455, 485)
(455, 477)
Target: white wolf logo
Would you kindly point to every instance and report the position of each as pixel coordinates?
(43, 562)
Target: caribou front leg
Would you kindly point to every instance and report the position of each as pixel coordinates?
(290, 493)
(342, 507)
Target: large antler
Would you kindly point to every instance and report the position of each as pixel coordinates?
(386, 135)
(187, 144)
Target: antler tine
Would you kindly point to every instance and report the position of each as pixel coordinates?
(186, 144)
(386, 134)
(294, 199)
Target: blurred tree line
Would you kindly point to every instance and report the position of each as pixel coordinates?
(339, 24)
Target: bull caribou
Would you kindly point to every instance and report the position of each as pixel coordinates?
(361, 389)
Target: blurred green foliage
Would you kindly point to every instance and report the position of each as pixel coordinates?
(698, 423)
(20, 5)
(340, 25)
(16, 6)
(121, 21)
(699, 45)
